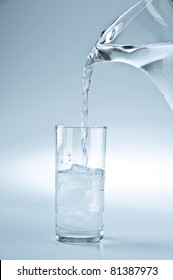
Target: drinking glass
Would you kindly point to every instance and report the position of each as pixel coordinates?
(80, 177)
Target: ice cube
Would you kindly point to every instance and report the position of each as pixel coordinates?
(79, 168)
(87, 170)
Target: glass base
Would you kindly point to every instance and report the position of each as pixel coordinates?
(78, 237)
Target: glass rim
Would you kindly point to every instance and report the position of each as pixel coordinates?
(79, 127)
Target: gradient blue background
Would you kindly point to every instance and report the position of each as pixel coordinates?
(43, 48)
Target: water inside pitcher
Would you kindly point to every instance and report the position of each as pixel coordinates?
(143, 38)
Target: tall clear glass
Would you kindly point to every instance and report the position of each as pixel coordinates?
(80, 177)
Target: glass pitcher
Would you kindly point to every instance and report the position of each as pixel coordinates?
(143, 38)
